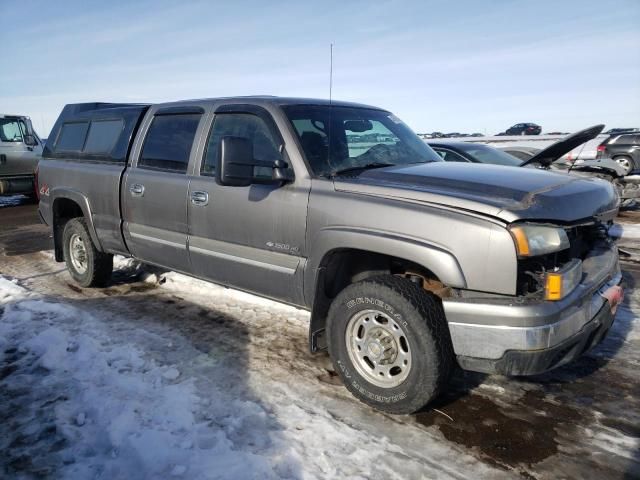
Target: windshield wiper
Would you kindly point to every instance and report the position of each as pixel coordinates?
(360, 167)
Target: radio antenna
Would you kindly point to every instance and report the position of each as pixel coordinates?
(330, 71)
(330, 106)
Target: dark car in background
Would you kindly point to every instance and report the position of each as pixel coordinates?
(624, 149)
(473, 153)
(524, 129)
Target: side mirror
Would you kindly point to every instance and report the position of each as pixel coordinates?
(30, 140)
(236, 164)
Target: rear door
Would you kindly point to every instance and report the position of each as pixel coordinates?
(155, 190)
(252, 238)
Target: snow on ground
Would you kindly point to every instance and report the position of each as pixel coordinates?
(163, 376)
(91, 392)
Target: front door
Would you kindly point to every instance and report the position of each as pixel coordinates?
(252, 238)
(16, 157)
(155, 190)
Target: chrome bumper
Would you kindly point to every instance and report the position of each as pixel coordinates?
(487, 328)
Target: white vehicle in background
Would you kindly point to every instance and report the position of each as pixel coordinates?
(20, 152)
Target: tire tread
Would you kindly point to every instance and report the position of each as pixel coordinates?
(102, 263)
(429, 307)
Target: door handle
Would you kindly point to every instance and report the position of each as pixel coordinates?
(200, 198)
(3, 159)
(137, 190)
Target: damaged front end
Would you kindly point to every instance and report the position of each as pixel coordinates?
(627, 185)
(553, 273)
(567, 294)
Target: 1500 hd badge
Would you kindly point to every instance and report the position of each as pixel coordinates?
(283, 247)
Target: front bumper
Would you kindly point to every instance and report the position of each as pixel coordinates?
(519, 337)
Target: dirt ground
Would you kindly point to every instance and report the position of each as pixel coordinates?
(579, 421)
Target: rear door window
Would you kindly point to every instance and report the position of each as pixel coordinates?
(623, 139)
(169, 141)
(72, 136)
(103, 135)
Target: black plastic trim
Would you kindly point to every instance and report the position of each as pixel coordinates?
(190, 109)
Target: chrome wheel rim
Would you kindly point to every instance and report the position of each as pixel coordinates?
(378, 348)
(78, 253)
(624, 163)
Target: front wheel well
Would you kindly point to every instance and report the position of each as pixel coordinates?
(64, 209)
(342, 267)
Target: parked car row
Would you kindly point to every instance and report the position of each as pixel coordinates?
(517, 129)
(449, 135)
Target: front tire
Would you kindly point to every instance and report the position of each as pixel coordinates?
(87, 266)
(390, 344)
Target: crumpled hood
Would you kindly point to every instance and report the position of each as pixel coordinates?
(498, 191)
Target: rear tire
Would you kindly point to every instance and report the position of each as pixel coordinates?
(389, 342)
(625, 162)
(87, 266)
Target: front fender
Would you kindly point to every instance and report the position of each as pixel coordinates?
(442, 263)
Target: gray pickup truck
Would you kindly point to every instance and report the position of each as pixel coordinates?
(408, 264)
(20, 152)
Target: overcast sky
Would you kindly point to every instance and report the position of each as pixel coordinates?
(461, 66)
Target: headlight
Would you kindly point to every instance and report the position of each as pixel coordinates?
(533, 240)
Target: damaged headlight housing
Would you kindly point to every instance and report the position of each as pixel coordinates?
(534, 240)
(561, 282)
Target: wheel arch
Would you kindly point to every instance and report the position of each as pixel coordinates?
(68, 204)
(348, 257)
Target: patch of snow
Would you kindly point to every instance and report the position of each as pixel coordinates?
(80, 419)
(171, 374)
(10, 289)
(178, 470)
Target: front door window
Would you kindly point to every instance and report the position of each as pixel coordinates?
(12, 130)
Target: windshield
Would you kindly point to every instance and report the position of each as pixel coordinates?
(360, 138)
(486, 154)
